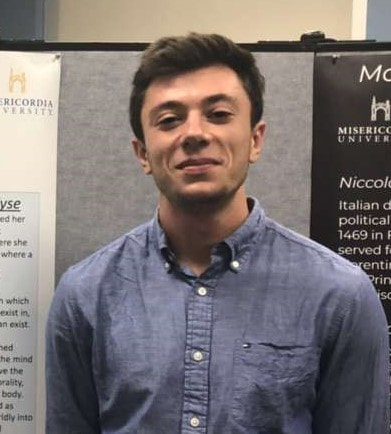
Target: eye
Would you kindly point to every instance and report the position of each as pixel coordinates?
(220, 116)
(168, 122)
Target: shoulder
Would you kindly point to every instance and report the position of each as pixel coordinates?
(80, 286)
(334, 292)
(317, 268)
(292, 243)
(129, 245)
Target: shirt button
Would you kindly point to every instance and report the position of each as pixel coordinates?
(202, 291)
(235, 265)
(198, 356)
(194, 422)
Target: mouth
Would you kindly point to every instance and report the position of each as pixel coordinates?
(197, 163)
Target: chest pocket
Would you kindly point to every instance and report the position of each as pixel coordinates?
(272, 383)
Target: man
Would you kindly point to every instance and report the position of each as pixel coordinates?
(212, 318)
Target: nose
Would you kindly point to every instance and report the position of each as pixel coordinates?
(195, 135)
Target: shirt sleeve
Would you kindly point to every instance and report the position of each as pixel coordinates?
(72, 404)
(353, 389)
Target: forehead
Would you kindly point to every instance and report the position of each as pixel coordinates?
(195, 86)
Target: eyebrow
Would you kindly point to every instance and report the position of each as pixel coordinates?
(220, 97)
(177, 105)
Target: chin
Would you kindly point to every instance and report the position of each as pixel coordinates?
(201, 200)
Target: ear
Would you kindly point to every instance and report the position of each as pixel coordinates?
(141, 153)
(258, 135)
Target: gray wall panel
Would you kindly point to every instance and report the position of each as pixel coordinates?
(378, 20)
(281, 180)
(102, 192)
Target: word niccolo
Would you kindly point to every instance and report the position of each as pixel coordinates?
(356, 182)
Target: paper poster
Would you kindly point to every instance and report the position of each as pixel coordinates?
(29, 105)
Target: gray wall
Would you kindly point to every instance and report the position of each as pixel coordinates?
(102, 192)
(379, 20)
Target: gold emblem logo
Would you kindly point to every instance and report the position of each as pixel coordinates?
(17, 81)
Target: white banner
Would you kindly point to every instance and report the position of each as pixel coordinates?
(29, 98)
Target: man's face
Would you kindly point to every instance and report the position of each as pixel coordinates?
(198, 137)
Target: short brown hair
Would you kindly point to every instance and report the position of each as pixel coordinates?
(171, 56)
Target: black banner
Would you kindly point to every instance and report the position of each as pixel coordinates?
(351, 167)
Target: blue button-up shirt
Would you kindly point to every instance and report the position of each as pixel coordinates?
(279, 335)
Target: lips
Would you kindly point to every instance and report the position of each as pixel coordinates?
(196, 162)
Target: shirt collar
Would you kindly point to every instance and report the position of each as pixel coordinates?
(239, 242)
(248, 233)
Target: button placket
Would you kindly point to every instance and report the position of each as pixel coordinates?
(198, 341)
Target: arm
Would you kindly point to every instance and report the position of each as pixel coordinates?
(353, 389)
(72, 404)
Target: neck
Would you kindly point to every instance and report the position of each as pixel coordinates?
(193, 233)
